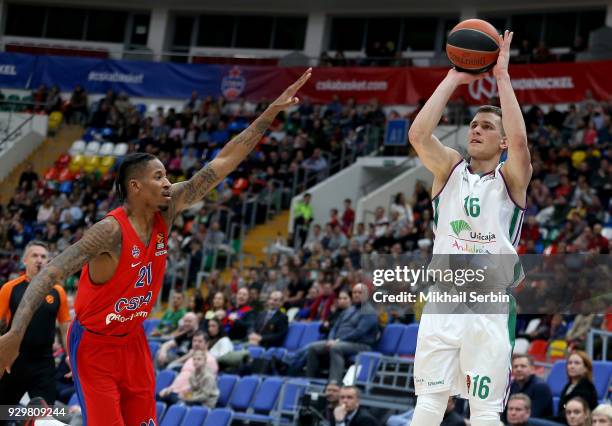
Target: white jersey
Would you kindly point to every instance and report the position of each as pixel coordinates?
(475, 214)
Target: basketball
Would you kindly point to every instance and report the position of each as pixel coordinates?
(473, 45)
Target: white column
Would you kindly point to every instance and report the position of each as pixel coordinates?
(315, 34)
(158, 32)
(609, 15)
(467, 13)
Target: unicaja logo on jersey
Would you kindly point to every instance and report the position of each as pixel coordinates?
(460, 225)
(475, 243)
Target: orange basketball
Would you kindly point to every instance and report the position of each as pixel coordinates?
(473, 46)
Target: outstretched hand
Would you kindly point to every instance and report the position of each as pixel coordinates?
(460, 77)
(288, 98)
(503, 59)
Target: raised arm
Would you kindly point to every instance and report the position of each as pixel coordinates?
(184, 194)
(436, 157)
(517, 168)
(103, 237)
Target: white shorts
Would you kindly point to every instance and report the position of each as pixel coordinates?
(466, 354)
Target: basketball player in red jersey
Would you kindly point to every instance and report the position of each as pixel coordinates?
(124, 259)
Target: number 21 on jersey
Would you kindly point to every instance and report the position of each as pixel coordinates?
(144, 275)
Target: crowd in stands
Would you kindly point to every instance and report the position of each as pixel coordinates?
(380, 53)
(316, 276)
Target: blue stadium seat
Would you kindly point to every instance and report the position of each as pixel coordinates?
(154, 347)
(556, 404)
(264, 402)
(74, 400)
(256, 351)
(218, 417)
(160, 407)
(150, 325)
(311, 334)
(557, 378)
(408, 341)
(195, 416)
(243, 393)
(164, 379)
(294, 335)
(174, 415)
(390, 339)
(225, 383)
(602, 376)
(367, 365)
(291, 394)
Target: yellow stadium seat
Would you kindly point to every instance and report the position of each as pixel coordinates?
(106, 164)
(578, 157)
(76, 163)
(91, 164)
(557, 349)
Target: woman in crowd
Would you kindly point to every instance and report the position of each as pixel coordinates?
(577, 412)
(580, 382)
(218, 343)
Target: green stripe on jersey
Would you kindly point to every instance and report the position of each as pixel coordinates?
(515, 216)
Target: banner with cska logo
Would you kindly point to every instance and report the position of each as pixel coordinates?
(539, 83)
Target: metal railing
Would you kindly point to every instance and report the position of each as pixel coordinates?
(7, 134)
(605, 337)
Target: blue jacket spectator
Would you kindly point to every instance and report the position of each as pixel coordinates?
(526, 382)
(356, 330)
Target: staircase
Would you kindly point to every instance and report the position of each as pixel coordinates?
(257, 239)
(41, 158)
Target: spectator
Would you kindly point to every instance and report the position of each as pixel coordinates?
(198, 342)
(402, 207)
(525, 382)
(28, 177)
(270, 327)
(519, 410)
(316, 164)
(302, 219)
(577, 412)
(76, 111)
(169, 321)
(217, 309)
(580, 382)
(218, 343)
(348, 217)
(332, 399)
(349, 411)
(202, 388)
(238, 320)
(354, 332)
(322, 305)
(577, 334)
(602, 415)
(181, 343)
(295, 291)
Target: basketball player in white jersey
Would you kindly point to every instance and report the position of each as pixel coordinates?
(478, 208)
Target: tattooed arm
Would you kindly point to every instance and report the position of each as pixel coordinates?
(184, 194)
(103, 237)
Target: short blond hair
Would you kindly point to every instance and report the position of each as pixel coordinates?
(603, 410)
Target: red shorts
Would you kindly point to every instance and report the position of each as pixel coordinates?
(114, 377)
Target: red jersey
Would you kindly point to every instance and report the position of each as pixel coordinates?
(122, 303)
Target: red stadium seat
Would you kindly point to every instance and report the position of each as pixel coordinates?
(538, 349)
